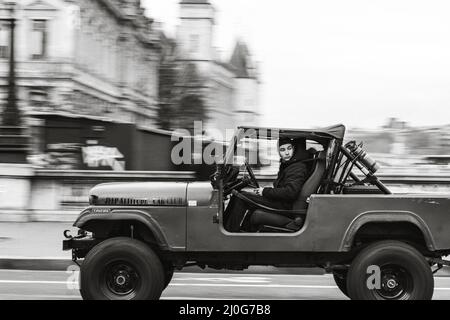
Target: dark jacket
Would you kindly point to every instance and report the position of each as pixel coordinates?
(291, 177)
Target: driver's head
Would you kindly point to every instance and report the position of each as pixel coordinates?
(285, 149)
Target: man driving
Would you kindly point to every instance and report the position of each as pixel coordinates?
(292, 175)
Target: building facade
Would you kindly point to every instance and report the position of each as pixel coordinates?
(230, 88)
(88, 58)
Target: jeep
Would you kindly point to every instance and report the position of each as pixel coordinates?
(346, 221)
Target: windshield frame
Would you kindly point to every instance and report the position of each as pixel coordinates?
(232, 146)
(240, 134)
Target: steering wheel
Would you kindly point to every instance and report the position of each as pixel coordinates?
(253, 181)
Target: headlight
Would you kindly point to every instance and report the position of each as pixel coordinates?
(93, 200)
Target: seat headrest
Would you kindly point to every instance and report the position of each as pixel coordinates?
(312, 184)
(322, 155)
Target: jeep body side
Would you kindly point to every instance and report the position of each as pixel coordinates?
(333, 222)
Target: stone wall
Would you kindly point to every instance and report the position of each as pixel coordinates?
(29, 194)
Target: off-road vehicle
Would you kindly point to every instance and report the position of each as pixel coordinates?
(134, 235)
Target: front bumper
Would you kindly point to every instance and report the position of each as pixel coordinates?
(80, 244)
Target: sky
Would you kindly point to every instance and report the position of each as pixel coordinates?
(322, 62)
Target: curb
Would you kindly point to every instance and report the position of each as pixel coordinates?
(38, 264)
(62, 264)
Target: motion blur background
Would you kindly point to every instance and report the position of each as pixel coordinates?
(96, 88)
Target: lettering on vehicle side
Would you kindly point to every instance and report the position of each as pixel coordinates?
(171, 201)
(126, 201)
(159, 201)
(101, 210)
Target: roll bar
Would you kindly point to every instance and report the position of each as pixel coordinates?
(353, 155)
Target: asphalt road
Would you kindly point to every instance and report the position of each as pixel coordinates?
(59, 285)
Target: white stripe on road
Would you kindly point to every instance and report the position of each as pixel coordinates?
(201, 298)
(195, 284)
(36, 282)
(250, 285)
(36, 296)
(261, 286)
(183, 284)
(249, 274)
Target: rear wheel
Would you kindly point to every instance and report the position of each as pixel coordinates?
(390, 270)
(121, 269)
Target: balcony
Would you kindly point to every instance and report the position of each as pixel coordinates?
(38, 69)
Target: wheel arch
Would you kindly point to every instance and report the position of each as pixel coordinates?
(392, 218)
(103, 223)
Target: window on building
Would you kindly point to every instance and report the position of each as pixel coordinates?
(39, 39)
(39, 99)
(4, 40)
(194, 43)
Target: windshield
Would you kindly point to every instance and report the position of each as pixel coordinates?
(243, 146)
(259, 149)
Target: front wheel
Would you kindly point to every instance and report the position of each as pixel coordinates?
(390, 270)
(121, 269)
(168, 275)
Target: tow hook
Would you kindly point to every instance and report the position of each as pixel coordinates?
(68, 236)
(81, 234)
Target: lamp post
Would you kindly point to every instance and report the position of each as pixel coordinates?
(13, 143)
(11, 116)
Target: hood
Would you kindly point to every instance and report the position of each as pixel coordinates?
(139, 194)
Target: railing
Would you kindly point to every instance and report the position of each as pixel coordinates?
(55, 195)
(117, 175)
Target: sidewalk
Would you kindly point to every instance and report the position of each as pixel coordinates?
(34, 239)
(34, 246)
(38, 246)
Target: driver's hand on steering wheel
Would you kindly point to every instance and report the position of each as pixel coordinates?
(258, 191)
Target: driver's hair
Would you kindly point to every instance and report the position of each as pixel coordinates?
(284, 140)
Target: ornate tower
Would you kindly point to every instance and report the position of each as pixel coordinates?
(195, 32)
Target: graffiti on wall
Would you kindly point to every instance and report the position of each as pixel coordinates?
(101, 156)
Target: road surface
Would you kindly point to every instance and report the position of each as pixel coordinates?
(60, 285)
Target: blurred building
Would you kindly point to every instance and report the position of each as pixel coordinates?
(230, 87)
(398, 141)
(89, 58)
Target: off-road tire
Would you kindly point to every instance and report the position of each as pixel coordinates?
(168, 275)
(340, 278)
(405, 274)
(135, 263)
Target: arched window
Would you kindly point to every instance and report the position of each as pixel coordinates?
(4, 40)
(39, 39)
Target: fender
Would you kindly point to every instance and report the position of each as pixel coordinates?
(386, 216)
(125, 214)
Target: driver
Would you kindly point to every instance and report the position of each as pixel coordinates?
(286, 188)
